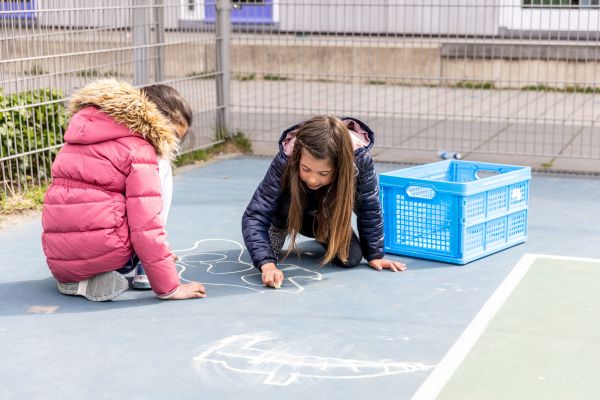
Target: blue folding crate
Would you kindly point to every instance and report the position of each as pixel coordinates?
(454, 211)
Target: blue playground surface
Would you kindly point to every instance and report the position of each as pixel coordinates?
(328, 333)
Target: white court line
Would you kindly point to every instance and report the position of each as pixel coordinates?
(438, 378)
(568, 258)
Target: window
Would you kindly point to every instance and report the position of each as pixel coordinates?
(560, 3)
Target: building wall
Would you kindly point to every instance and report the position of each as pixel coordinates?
(514, 17)
(98, 13)
(423, 17)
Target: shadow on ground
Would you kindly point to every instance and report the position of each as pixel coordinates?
(225, 271)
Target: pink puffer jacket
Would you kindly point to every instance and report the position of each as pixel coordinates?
(105, 198)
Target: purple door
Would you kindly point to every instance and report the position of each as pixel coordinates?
(244, 11)
(17, 9)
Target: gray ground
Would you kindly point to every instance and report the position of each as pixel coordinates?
(547, 130)
(328, 333)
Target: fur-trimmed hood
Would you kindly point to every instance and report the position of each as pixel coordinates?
(129, 107)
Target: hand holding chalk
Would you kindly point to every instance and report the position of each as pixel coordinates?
(271, 276)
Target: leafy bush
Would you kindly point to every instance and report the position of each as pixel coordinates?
(29, 121)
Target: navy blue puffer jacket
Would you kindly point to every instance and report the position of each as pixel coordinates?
(269, 201)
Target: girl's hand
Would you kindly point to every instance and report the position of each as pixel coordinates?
(271, 276)
(382, 263)
(192, 290)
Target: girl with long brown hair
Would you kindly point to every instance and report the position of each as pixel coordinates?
(322, 173)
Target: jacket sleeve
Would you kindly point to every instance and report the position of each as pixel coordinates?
(148, 236)
(368, 209)
(259, 214)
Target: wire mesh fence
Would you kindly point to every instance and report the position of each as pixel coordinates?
(51, 48)
(501, 80)
(496, 80)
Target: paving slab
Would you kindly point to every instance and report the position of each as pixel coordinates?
(328, 333)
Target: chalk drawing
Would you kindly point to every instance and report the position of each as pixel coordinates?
(240, 353)
(217, 264)
(42, 309)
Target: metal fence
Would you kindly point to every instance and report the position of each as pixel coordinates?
(494, 80)
(51, 48)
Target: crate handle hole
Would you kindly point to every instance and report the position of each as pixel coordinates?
(485, 173)
(420, 192)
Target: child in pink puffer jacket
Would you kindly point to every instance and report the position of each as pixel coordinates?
(103, 208)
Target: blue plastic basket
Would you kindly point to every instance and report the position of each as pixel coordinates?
(454, 211)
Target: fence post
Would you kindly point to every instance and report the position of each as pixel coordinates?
(140, 30)
(159, 18)
(223, 64)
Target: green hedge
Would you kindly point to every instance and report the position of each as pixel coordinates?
(32, 125)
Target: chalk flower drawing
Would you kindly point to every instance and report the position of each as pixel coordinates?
(221, 269)
(240, 353)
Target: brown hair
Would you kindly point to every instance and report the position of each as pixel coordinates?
(170, 103)
(325, 138)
